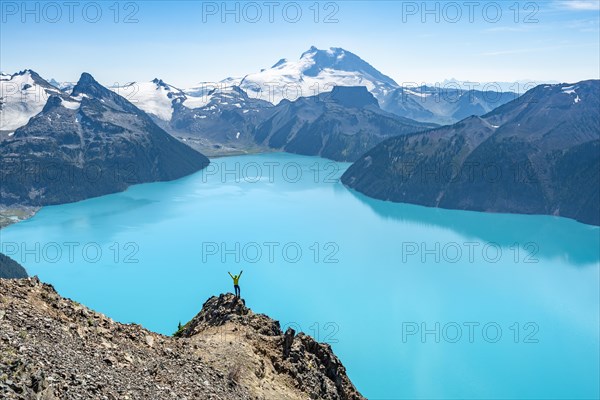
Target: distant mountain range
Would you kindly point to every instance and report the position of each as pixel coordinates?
(221, 118)
(315, 72)
(213, 121)
(319, 71)
(215, 117)
(329, 103)
(538, 154)
(340, 125)
(89, 143)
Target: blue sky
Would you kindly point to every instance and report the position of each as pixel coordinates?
(192, 41)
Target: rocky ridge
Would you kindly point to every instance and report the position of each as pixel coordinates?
(55, 348)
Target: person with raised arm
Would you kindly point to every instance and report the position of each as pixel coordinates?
(236, 281)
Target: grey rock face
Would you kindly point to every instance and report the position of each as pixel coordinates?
(340, 125)
(311, 365)
(223, 125)
(54, 348)
(10, 269)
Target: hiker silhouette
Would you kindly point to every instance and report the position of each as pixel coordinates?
(236, 280)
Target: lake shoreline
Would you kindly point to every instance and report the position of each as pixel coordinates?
(308, 245)
(13, 214)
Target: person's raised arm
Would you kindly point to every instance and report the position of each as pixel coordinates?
(230, 274)
(240, 273)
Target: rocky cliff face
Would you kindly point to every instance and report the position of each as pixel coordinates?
(54, 348)
(305, 364)
(10, 269)
(340, 125)
(221, 126)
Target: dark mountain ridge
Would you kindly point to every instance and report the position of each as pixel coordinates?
(90, 143)
(538, 154)
(339, 125)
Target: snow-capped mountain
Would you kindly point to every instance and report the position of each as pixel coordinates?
(222, 115)
(217, 120)
(317, 71)
(161, 100)
(91, 129)
(155, 97)
(213, 117)
(22, 95)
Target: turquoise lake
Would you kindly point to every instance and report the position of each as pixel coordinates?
(418, 303)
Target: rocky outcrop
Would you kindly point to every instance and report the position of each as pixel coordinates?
(312, 367)
(55, 348)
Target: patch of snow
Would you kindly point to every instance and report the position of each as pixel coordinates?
(151, 97)
(80, 97)
(196, 102)
(22, 98)
(418, 94)
(569, 89)
(71, 105)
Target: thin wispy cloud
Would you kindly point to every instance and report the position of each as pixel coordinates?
(581, 5)
(505, 29)
(536, 49)
(584, 25)
(507, 52)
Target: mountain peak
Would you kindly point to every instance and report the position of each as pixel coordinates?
(320, 69)
(25, 71)
(331, 52)
(337, 58)
(53, 102)
(86, 78)
(280, 62)
(89, 86)
(312, 50)
(34, 76)
(352, 96)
